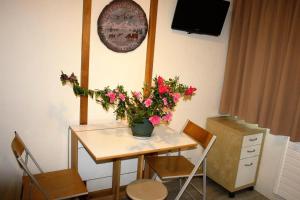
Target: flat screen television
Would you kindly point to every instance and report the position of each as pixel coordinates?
(200, 16)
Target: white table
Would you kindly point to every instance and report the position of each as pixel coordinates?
(114, 141)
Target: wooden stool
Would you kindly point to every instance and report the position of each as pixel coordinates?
(146, 189)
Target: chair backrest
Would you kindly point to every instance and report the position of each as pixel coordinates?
(202, 136)
(19, 148)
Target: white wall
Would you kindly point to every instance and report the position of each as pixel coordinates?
(40, 38)
(198, 60)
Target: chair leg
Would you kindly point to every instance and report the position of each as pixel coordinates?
(186, 183)
(85, 197)
(204, 178)
(231, 194)
(154, 176)
(197, 165)
(180, 183)
(21, 193)
(30, 188)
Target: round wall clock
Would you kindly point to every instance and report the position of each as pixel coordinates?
(122, 25)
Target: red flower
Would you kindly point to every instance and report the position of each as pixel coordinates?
(190, 91)
(160, 80)
(163, 89)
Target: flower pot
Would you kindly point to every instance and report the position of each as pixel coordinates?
(142, 129)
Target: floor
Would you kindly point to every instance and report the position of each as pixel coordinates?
(214, 192)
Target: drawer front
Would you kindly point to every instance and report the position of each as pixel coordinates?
(250, 140)
(88, 169)
(250, 151)
(246, 171)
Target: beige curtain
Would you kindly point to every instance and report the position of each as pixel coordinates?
(262, 77)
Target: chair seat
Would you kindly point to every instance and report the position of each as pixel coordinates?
(146, 189)
(58, 184)
(167, 167)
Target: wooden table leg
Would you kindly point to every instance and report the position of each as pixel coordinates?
(74, 151)
(147, 171)
(116, 179)
(140, 168)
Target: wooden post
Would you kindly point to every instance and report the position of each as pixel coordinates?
(150, 46)
(85, 57)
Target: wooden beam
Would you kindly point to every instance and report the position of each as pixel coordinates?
(85, 57)
(150, 45)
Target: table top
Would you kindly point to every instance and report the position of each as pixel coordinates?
(115, 140)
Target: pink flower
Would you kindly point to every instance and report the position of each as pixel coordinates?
(122, 96)
(190, 91)
(163, 89)
(155, 119)
(138, 96)
(148, 102)
(160, 80)
(112, 96)
(176, 97)
(165, 101)
(167, 117)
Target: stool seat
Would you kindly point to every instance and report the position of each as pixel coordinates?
(146, 189)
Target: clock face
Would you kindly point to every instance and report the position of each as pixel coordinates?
(122, 25)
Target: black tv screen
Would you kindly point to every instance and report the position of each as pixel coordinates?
(200, 16)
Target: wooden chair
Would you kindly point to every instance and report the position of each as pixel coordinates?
(61, 184)
(146, 189)
(178, 167)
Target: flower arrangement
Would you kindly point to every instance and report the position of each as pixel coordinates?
(156, 107)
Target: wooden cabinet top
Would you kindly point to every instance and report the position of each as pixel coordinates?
(235, 125)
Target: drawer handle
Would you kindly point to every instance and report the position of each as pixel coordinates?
(251, 151)
(252, 139)
(248, 165)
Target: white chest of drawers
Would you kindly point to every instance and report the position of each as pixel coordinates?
(234, 159)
